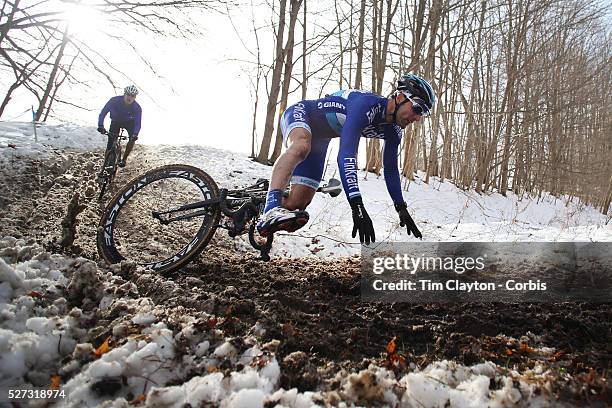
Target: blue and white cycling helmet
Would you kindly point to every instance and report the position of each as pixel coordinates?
(130, 90)
(417, 86)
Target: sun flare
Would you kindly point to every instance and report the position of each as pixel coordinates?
(83, 20)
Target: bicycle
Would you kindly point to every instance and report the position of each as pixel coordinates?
(166, 217)
(111, 162)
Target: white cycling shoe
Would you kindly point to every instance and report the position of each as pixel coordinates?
(280, 218)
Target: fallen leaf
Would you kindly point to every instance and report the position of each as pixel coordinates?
(258, 362)
(391, 345)
(508, 352)
(397, 359)
(35, 294)
(139, 399)
(55, 382)
(211, 323)
(104, 348)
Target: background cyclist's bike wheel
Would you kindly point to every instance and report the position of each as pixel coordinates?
(128, 230)
(108, 175)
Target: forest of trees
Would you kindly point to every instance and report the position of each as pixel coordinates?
(524, 89)
(39, 52)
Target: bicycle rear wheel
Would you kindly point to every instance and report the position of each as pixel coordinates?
(128, 230)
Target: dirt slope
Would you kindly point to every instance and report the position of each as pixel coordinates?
(313, 306)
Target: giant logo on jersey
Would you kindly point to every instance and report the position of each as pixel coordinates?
(330, 104)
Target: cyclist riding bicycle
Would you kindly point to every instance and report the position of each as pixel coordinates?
(307, 128)
(125, 113)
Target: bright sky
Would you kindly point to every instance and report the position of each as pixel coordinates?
(204, 95)
(202, 98)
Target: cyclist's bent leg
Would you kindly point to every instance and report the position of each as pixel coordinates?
(299, 147)
(299, 197)
(129, 126)
(297, 135)
(305, 180)
(112, 137)
(307, 176)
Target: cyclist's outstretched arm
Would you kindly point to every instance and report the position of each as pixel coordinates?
(347, 155)
(103, 113)
(391, 170)
(392, 179)
(347, 164)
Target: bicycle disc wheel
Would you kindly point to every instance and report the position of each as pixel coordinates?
(128, 230)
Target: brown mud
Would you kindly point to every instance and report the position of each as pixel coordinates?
(314, 308)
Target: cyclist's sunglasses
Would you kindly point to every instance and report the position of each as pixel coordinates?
(418, 106)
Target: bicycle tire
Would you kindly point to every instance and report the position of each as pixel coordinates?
(117, 158)
(206, 185)
(103, 185)
(108, 176)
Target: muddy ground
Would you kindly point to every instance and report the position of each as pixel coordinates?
(314, 306)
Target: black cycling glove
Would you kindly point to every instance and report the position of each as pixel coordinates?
(406, 220)
(102, 130)
(362, 221)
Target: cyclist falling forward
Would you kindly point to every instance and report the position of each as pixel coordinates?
(125, 113)
(307, 128)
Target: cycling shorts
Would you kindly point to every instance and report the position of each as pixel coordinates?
(310, 171)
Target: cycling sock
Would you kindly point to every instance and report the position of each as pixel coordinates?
(274, 199)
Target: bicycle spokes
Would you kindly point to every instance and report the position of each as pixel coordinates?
(148, 234)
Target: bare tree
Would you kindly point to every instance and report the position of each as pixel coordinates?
(288, 69)
(36, 38)
(275, 84)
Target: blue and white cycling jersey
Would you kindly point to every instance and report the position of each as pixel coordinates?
(350, 115)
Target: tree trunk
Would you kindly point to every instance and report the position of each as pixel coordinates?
(288, 53)
(304, 74)
(9, 20)
(360, 45)
(264, 151)
(52, 75)
(434, 15)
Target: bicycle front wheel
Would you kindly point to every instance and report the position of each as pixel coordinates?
(129, 231)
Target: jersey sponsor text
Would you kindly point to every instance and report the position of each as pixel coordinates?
(331, 104)
(350, 173)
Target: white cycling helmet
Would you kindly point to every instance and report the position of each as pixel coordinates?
(130, 90)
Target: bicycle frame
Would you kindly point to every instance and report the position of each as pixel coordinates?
(241, 206)
(231, 202)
